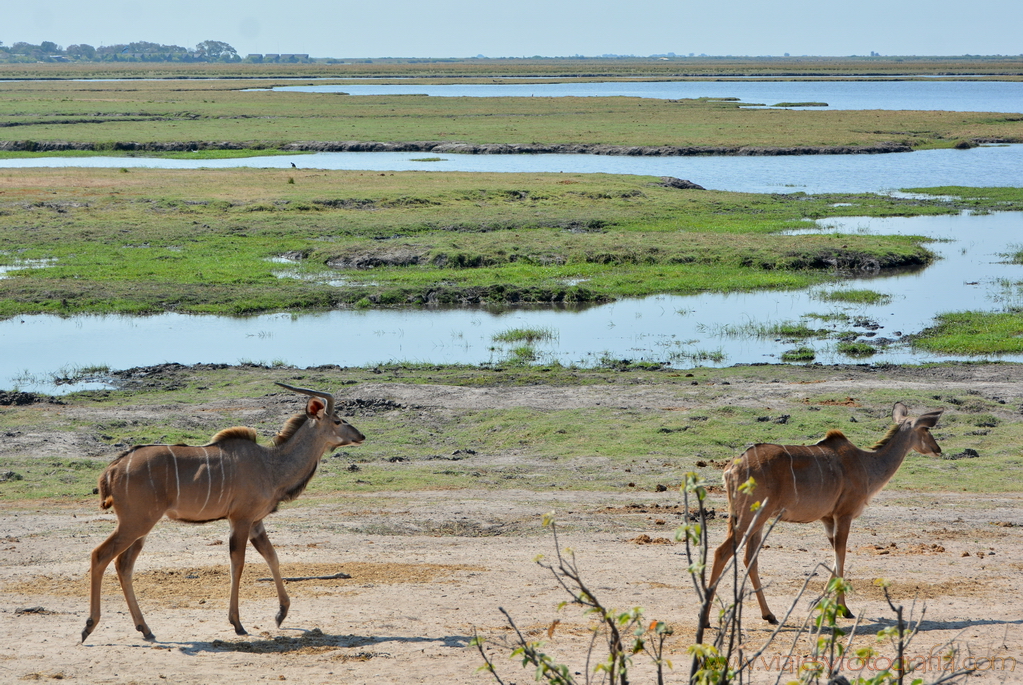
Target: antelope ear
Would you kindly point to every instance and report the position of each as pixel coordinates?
(899, 412)
(315, 408)
(930, 419)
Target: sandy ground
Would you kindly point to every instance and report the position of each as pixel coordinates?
(413, 602)
(430, 569)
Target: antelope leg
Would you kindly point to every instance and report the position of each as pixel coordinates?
(752, 563)
(722, 554)
(262, 544)
(125, 565)
(239, 538)
(104, 553)
(841, 538)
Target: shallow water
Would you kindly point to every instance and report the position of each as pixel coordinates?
(997, 165)
(890, 94)
(969, 275)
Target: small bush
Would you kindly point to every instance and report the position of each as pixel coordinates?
(526, 335)
(800, 354)
(856, 349)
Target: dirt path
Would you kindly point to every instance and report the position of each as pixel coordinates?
(428, 569)
(413, 602)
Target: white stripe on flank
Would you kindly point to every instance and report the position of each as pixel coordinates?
(209, 480)
(223, 476)
(177, 475)
(820, 469)
(127, 473)
(792, 468)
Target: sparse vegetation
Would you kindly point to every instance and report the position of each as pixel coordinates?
(588, 446)
(721, 652)
(865, 297)
(1014, 255)
(799, 354)
(526, 335)
(856, 349)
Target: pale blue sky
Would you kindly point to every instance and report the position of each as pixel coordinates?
(517, 28)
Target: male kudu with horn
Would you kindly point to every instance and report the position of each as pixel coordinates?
(232, 477)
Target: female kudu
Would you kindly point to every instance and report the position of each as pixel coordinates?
(231, 478)
(831, 481)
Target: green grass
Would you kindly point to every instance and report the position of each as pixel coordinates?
(521, 355)
(856, 349)
(973, 333)
(598, 448)
(145, 240)
(799, 354)
(222, 113)
(854, 296)
(788, 330)
(527, 335)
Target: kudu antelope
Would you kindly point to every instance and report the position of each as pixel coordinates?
(831, 481)
(231, 478)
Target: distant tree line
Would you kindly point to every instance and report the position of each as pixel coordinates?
(141, 51)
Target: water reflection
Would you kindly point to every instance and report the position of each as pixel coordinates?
(712, 329)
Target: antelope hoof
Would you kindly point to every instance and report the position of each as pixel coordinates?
(771, 619)
(845, 613)
(281, 615)
(238, 630)
(147, 634)
(90, 625)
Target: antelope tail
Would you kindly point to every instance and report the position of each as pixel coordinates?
(106, 500)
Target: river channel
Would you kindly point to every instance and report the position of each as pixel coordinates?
(988, 165)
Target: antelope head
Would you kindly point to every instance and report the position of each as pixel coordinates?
(320, 410)
(919, 427)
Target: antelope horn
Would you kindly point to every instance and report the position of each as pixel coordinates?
(315, 393)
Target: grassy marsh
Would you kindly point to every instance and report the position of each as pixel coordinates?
(201, 240)
(105, 114)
